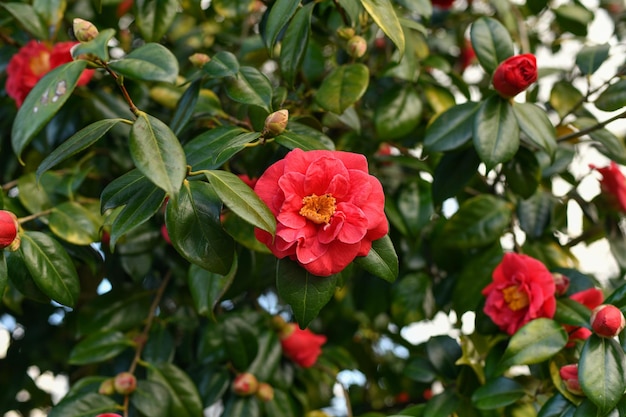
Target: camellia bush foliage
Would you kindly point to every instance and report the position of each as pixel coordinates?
(216, 207)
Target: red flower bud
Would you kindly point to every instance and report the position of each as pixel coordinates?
(125, 383)
(265, 392)
(569, 375)
(245, 384)
(561, 283)
(9, 227)
(607, 320)
(515, 75)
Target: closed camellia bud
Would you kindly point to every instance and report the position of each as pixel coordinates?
(357, 46)
(245, 384)
(9, 227)
(265, 392)
(125, 383)
(107, 387)
(276, 123)
(84, 30)
(607, 320)
(569, 375)
(198, 60)
(515, 75)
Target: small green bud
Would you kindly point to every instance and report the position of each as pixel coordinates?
(276, 123)
(345, 33)
(198, 60)
(84, 30)
(357, 46)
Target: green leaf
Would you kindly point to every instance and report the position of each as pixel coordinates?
(564, 97)
(98, 46)
(479, 221)
(87, 405)
(536, 125)
(343, 87)
(497, 393)
(250, 86)
(51, 12)
(242, 200)
(604, 140)
(282, 405)
(557, 406)
(590, 58)
(157, 153)
(153, 18)
(99, 347)
(523, 173)
(573, 18)
(535, 213)
(4, 273)
(150, 62)
(381, 260)
(382, 12)
(453, 172)
(295, 42)
(75, 223)
(491, 42)
(207, 288)
(151, 399)
(43, 102)
(292, 140)
(115, 310)
(613, 98)
(443, 353)
(185, 107)
(193, 225)
(215, 147)
(535, 342)
(78, 142)
(241, 342)
(21, 279)
(571, 312)
(27, 18)
(222, 64)
(279, 15)
(51, 267)
(451, 129)
(306, 293)
(185, 400)
(496, 132)
(242, 407)
(601, 372)
(398, 112)
(442, 405)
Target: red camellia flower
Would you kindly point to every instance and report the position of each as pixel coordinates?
(613, 183)
(515, 75)
(328, 209)
(301, 346)
(9, 227)
(569, 375)
(522, 290)
(32, 62)
(590, 298)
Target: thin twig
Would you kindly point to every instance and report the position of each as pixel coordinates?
(590, 129)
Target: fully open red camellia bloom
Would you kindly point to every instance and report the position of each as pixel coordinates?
(522, 290)
(32, 62)
(301, 346)
(613, 184)
(515, 75)
(328, 209)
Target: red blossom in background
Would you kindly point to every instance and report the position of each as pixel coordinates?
(301, 346)
(327, 206)
(590, 298)
(515, 75)
(613, 184)
(467, 56)
(32, 62)
(442, 4)
(522, 290)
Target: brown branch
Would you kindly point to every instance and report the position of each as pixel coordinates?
(590, 129)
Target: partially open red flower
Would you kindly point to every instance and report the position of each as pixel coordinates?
(301, 346)
(569, 375)
(32, 62)
(613, 184)
(515, 75)
(522, 290)
(327, 206)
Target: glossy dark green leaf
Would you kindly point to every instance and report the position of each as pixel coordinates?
(86, 405)
(268, 357)
(193, 225)
(279, 15)
(591, 57)
(207, 288)
(213, 148)
(343, 87)
(454, 171)
(617, 297)
(157, 153)
(151, 398)
(383, 13)
(99, 347)
(292, 140)
(212, 384)
(496, 132)
(381, 261)
(535, 342)
(295, 42)
(604, 140)
(27, 18)
(571, 312)
(397, 113)
(153, 18)
(451, 129)
(497, 393)
(4, 273)
(21, 279)
(250, 86)
(536, 125)
(306, 293)
(241, 342)
(491, 42)
(523, 173)
(601, 372)
(185, 107)
(150, 62)
(443, 353)
(535, 213)
(43, 102)
(573, 18)
(51, 267)
(242, 200)
(282, 405)
(419, 369)
(557, 406)
(613, 98)
(75, 223)
(479, 221)
(409, 296)
(564, 97)
(415, 206)
(442, 405)
(185, 400)
(114, 310)
(51, 12)
(242, 407)
(99, 46)
(222, 64)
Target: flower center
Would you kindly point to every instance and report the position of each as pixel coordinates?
(515, 298)
(40, 64)
(318, 208)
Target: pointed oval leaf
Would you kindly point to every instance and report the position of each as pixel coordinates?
(451, 129)
(27, 18)
(98, 46)
(279, 15)
(557, 406)
(86, 405)
(534, 122)
(535, 213)
(193, 224)
(343, 87)
(222, 64)
(242, 200)
(203, 150)
(184, 396)
(383, 13)
(207, 288)
(491, 42)
(157, 153)
(295, 42)
(51, 267)
(398, 112)
(242, 407)
(496, 132)
(572, 312)
(150, 62)
(564, 97)
(590, 58)
(43, 102)
(306, 293)
(99, 347)
(250, 86)
(497, 393)
(155, 17)
(241, 342)
(292, 140)
(185, 107)
(613, 98)
(381, 261)
(442, 405)
(75, 223)
(151, 398)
